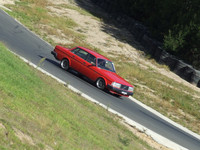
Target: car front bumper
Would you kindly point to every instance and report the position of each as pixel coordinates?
(119, 91)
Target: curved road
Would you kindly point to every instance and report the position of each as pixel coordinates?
(24, 43)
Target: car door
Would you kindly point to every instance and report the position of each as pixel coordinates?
(90, 67)
(73, 62)
(78, 57)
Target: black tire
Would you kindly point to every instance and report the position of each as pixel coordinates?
(100, 84)
(64, 64)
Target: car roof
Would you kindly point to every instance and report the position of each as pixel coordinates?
(94, 53)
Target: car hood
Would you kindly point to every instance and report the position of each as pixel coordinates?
(112, 76)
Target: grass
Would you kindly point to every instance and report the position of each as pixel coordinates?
(80, 10)
(169, 97)
(36, 112)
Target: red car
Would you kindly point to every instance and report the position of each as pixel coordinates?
(94, 66)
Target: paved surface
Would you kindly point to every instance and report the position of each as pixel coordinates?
(24, 43)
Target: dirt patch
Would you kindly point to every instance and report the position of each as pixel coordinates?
(59, 2)
(145, 137)
(3, 2)
(62, 38)
(23, 137)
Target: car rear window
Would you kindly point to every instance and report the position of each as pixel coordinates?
(81, 53)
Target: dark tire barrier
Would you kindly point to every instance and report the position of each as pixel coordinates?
(138, 31)
(167, 59)
(195, 78)
(149, 44)
(163, 57)
(157, 53)
(179, 67)
(198, 84)
(186, 73)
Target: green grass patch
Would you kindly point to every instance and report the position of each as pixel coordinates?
(47, 114)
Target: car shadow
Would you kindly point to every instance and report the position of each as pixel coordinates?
(78, 75)
(49, 60)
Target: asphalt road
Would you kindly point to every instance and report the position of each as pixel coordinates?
(24, 43)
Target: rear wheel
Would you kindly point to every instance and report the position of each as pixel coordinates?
(64, 64)
(100, 84)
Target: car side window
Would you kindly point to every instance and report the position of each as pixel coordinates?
(81, 53)
(91, 59)
(75, 50)
(109, 66)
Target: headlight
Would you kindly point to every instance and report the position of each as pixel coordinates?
(130, 89)
(117, 85)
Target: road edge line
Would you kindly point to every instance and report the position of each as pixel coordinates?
(165, 118)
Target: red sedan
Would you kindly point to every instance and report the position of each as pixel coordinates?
(94, 66)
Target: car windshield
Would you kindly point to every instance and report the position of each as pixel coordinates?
(105, 64)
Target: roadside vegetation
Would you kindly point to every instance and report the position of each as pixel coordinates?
(175, 100)
(36, 112)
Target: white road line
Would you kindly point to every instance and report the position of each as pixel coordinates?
(1, 6)
(165, 118)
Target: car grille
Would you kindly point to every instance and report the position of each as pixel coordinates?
(124, 87)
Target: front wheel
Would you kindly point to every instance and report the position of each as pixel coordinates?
(100, 84)
(64, 64)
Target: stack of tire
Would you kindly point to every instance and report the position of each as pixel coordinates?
(185, 71)
(150, 45)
